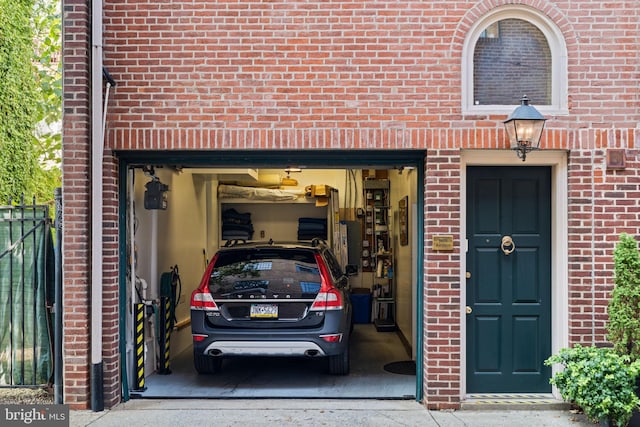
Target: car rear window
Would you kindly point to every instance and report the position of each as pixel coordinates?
(265, 273)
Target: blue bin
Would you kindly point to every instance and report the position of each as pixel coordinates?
(361, 301)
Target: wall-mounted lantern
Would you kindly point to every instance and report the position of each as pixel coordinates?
(524, 128)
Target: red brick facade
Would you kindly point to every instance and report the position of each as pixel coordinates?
(76, 200)
(249, 74)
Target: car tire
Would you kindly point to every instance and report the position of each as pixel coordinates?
(207, 365)
(339, 364)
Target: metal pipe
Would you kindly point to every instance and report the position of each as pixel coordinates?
(132, 260)
(11, 319)
(126, 318)
(153, 247)
(97, 149)
(22, 314)
(104, 113)
(57, 337)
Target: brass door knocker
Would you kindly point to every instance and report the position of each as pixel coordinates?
(507, 245)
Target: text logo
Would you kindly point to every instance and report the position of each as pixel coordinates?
(34, 415)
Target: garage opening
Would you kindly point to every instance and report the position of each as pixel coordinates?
(179, 211)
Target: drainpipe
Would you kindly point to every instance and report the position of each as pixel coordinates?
(153, 274)
(57, 340)
(97, 149)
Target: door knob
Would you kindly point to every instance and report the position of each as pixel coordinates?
(469, 310)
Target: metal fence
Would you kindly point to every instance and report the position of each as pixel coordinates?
(27, 286)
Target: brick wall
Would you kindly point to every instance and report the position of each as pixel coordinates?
(76, 204)
(204, 66)
(603, 203)
(110, 290)
(441, 289)
(247, 74)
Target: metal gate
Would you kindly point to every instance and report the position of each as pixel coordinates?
(27, 279)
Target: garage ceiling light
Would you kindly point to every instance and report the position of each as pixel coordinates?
(288, 181)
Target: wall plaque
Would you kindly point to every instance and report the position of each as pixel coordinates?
(442, 243)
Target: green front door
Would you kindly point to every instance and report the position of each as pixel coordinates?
(508, 283)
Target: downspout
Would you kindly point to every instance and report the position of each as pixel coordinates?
(97, 149)
(58, 335)
(153, 274)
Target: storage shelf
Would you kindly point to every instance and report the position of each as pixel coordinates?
(278, 220)
(383, 254)
(301, 200)
(377, 232)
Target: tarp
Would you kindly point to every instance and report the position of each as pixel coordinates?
(26, 287)
(255, 193)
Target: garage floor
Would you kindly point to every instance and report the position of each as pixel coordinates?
(292, 377)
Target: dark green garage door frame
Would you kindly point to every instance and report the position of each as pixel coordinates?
(272, 159)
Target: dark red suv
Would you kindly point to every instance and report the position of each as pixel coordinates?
(272, 299)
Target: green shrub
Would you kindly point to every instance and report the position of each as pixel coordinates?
(624, 306)
(598, 380)
(18, 107)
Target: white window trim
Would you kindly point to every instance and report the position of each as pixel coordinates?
(557, 46)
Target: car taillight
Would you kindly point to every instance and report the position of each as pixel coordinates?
(201, 298)
(199, 337)
(332, 337)
(202, 301)
(329, 298)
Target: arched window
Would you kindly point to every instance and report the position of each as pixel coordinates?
(514, 51)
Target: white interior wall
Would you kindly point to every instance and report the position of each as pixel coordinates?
(180, 240)
(404, 184)
(143, 255)
(183, 242)
(143, 228)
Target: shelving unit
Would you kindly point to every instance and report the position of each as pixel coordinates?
(278, 220)
(377, 252)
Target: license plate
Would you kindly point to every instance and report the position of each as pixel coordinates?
(264, 311)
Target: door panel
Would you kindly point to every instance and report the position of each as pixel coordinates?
(509, 327)
(526, 345)
(525, 286)
(488, 336)
(488, 264)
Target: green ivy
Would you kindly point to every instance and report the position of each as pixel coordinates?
(598, 380)
(624, 306)
(18, 102)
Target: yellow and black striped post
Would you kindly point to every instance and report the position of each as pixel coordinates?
(138, 313)
(165, 335)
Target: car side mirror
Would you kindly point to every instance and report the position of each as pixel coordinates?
(351, 270)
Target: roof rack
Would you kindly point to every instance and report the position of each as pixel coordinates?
(234, 242)
(316, 241)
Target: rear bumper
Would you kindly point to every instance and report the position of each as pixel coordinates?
(264, 348)
(291, 341)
